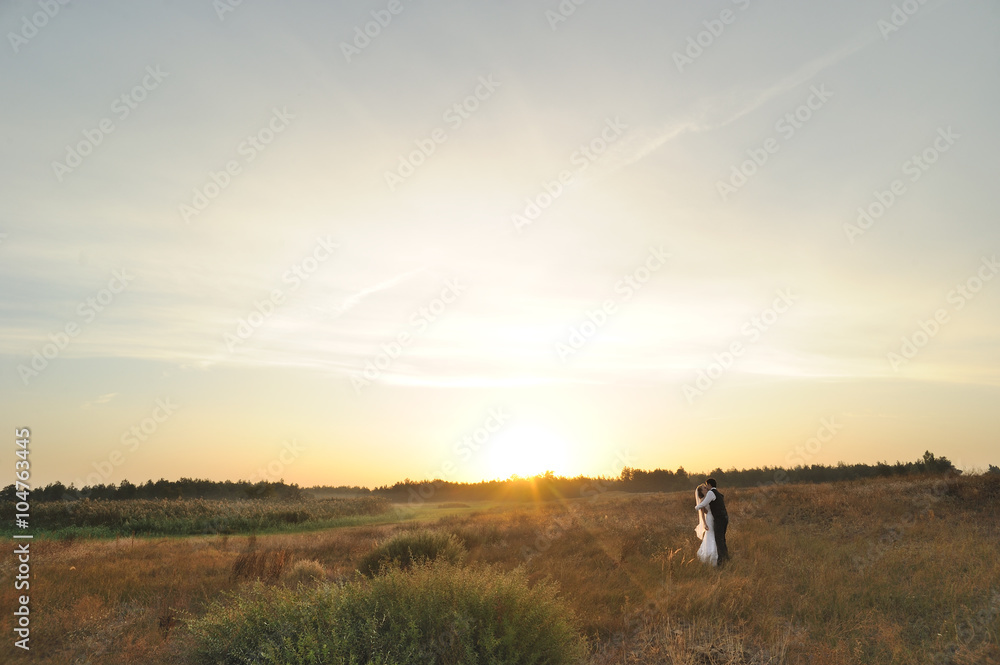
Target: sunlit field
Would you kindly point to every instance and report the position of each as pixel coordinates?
(399, 332)
(892, 571)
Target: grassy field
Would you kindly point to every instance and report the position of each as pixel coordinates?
(172, 517)
(890, 572)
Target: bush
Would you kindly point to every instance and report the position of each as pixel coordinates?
(405, 549)
(254, 626)
(304, 571)
(435, 614)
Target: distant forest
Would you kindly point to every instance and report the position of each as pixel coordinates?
(544, 487)
(659, 480)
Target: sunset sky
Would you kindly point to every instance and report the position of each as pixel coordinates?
(495, 239)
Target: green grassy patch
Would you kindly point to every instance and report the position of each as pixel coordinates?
(435, 614)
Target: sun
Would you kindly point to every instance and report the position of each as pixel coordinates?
(527, 450)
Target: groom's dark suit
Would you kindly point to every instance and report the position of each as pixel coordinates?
(721, 517)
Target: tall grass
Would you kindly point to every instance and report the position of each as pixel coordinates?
(435, 614)
(266, 565)
(90, 517)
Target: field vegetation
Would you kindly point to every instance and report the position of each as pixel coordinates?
(898, 571)
(167, 517)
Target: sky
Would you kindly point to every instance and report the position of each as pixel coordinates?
(351, 243)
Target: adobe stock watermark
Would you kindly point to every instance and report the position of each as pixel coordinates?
(559, 525)
(455, 116)
(971, 630)
(464, 450)
(921, 504)
(223, 7)
(363, 35)
(697, 44)
(585, 155)
(87, 310)
(419, 322)
(248, 149)
(30, 25)
(271, 472)
(121, 108)
(807, 452)
(458, 630)
(132, 438)
(298, 273)
(786, 127)
(900, 16)
(563, 11)
(800, 455)
(625, 288)
(957, 298)
(914, 167)
(752, 330)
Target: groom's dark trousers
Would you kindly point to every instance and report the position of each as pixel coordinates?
(720, 538)
(721, 517)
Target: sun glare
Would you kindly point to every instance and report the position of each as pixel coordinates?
(527, 451)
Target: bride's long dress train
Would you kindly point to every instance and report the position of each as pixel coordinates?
(708, 552)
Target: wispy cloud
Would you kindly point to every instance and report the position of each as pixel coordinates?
(103, 399)
(353, 300)
(647, 141)
(805, 73)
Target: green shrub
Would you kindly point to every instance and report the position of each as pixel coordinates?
(304, 571)
(435, 614)
(405, 549)
(258, 623)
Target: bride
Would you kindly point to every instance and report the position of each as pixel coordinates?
(708, 552)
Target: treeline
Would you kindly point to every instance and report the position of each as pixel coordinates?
(637, 480)
(545, 487)
(538, 488)
(185, 488)
(320, 491)
(549, 487)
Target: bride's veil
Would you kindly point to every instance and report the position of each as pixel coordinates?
(702, 527)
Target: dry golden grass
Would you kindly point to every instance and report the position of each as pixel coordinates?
(899, 572)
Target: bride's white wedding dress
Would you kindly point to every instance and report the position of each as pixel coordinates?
(708, 552)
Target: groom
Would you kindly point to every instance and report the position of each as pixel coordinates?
(715, 502)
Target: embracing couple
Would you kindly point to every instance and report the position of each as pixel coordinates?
(712, 523)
